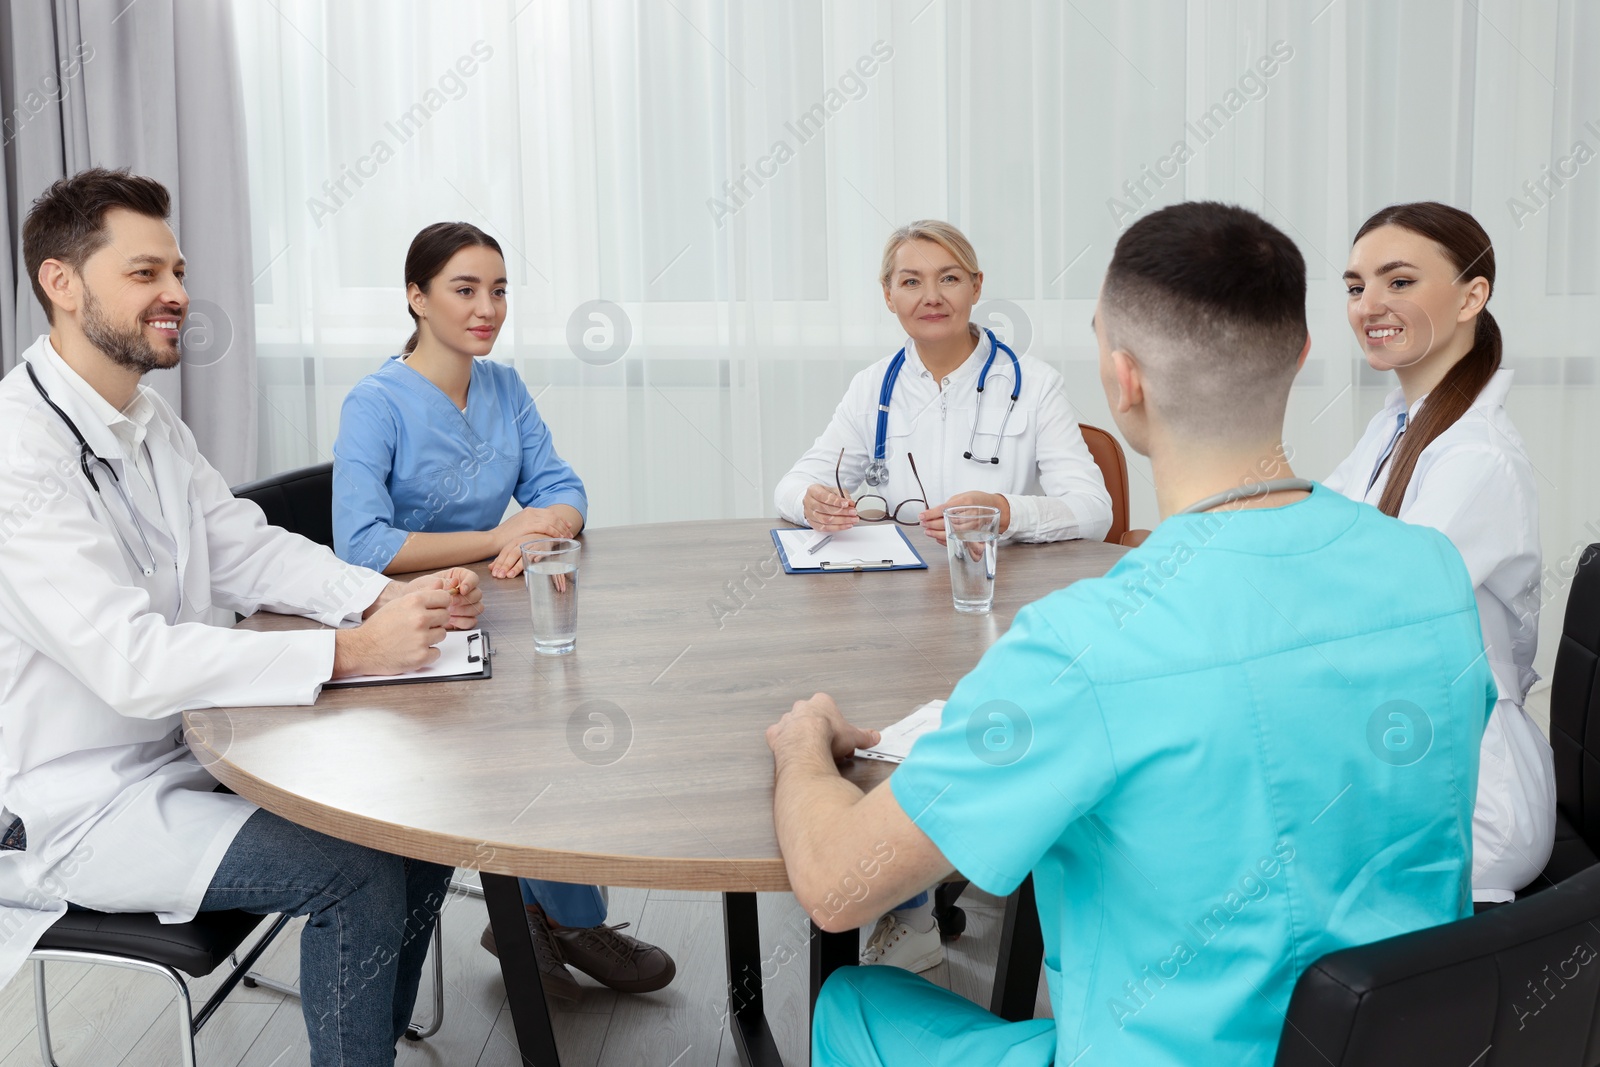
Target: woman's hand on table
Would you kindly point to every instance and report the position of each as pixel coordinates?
(527, 525)
(828, 512)
(933, 518)
(818, 722)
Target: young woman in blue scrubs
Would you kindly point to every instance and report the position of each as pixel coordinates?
(1443, 453)
(432, 449)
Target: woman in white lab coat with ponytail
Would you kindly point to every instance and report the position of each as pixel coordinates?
(1443, 453)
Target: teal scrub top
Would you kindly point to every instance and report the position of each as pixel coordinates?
(1252, 742)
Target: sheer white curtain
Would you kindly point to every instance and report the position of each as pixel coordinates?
(723, 174)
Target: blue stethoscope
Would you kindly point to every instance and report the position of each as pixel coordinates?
(85, 454)
(878, 469)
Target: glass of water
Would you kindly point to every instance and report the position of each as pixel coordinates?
(550, 567)
(971, 534)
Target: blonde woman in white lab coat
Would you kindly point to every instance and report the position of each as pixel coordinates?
(1443, 453)
(1014, 445)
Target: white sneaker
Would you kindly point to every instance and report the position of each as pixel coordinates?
(894, 944)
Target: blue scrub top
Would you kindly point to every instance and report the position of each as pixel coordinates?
(1254, 741)
(408, 460)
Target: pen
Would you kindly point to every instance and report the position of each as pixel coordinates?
(820, 542)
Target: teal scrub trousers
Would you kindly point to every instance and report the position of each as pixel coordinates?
(888, 1017)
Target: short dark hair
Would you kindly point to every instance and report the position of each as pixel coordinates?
(1211, 298)
(68, 222)
(431, 250)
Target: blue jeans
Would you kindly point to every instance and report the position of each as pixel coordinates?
(564, 903)
(371, 916)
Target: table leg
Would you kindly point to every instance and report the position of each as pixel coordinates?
(829, 952)
(1016, 972)
(752, 1037)
(520, 968)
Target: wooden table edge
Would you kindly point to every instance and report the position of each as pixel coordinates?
(722, 875)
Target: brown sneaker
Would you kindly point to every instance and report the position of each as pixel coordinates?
(558, 981)
(614, 959)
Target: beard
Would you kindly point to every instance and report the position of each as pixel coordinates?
(125, 347)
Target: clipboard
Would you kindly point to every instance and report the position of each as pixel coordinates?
(465, 655)
(852, 566)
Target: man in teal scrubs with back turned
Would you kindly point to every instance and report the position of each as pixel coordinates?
(1254, 741)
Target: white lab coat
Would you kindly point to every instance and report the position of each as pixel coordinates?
(1050, 481)
(97, 661)
(1475, 485)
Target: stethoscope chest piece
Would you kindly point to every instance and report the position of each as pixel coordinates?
(877, 473)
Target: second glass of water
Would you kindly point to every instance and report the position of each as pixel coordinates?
(971, 534)
(550, 567)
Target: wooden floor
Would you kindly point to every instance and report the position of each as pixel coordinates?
(102, 1017)
(105, 1017)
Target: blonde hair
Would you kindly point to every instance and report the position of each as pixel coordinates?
(940, 233)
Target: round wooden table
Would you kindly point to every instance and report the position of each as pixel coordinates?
(639, 759)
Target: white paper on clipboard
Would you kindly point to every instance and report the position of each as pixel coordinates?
(876, 545)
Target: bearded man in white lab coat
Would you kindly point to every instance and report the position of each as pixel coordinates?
(122, 559)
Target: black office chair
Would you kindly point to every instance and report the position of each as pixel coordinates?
(298, 500)
(140, 942)
(1513, 987)
(1573, 694)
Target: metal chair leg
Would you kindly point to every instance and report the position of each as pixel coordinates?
(239, 971)
(41, 1014)
(185, 1006)
(458, 885)
(185, 1020)
(252, 980)
(419, 1033)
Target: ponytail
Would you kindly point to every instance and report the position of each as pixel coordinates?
(1448, 401)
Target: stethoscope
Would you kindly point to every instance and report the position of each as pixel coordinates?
(878, 469)
(1248, 492)
(85, 454)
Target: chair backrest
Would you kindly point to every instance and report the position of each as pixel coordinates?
(301, 501)
(1113, 464)
(1573, 696)
(1516, 985)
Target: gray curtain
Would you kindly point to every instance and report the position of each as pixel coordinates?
(152, 85)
